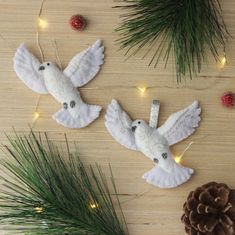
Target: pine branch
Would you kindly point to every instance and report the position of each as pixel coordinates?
(188, 29)
(47, 193)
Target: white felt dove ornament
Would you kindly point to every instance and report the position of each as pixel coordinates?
(48, 78)
(155, 142)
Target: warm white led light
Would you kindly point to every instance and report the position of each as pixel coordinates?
(223, 61)
(178, 159)
(142, 90)
(39, 209)
(93, 205)
(42, 23)
(36, 115)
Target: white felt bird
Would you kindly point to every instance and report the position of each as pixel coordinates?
(48, 78)
(155, 142)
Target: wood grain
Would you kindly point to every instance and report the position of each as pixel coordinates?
(148, 210)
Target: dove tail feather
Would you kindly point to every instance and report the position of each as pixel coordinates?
(163, 179)
(87, 114)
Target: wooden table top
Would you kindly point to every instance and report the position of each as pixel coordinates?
(148, 210)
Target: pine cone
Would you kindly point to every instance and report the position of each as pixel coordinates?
(210, 210)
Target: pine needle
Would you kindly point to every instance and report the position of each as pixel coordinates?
(44, 194)
(187, 29)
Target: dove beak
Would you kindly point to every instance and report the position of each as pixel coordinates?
(133, 128)
(41, 68)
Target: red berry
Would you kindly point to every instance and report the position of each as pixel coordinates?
(228, 99)
(77, 22)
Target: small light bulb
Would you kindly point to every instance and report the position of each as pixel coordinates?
(39, 209)
(93, 205)
(178, 159)
(142, 89)
(42, 23)
(223, 61)
(36, 115)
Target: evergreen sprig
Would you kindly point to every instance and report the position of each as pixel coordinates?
(46, 194)
(186, 28)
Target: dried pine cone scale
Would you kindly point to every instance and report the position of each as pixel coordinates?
(231, 209)
(210, 210)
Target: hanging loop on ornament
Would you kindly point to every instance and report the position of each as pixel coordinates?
(153, 120)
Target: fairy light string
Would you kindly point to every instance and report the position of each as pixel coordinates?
(178, 159)
(223, 60)
(57, 54)
(41, 24)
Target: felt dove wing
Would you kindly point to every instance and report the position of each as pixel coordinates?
(48, 78)
(155, 142)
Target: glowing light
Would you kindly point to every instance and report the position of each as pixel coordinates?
(142, 90)
(42, 23)
(39, 209)
(223, 61)
(93, 205)
(36, 115)
(178, 159)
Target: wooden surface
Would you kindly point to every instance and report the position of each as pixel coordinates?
(148, 210)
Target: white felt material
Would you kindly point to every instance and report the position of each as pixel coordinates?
(87, 114)
(26, 67)
(167, 173)
(153, 144)
(163, 179)
(182, 124)
(48, 78)
(62, 88)
(118, 124)
(84, 66)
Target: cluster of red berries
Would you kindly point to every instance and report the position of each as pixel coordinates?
(77, 22)
(228, 99)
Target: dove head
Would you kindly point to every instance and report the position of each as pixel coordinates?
(46, 66)
(139, 126)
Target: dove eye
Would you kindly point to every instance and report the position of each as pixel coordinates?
(156, 160)
(48, 64)
(139, 122)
